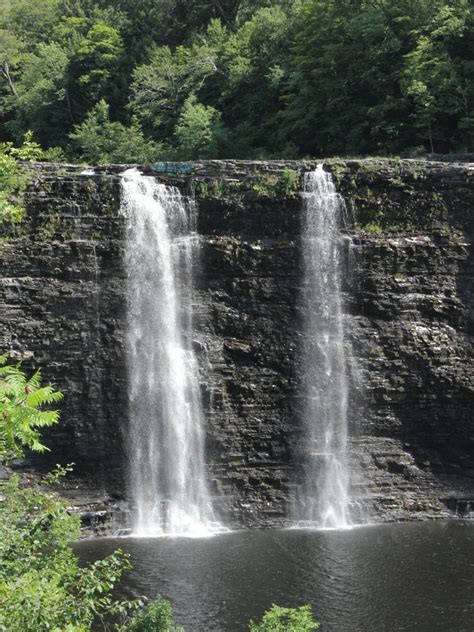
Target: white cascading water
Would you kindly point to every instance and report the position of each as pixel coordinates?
(325, 490)
(166, 442)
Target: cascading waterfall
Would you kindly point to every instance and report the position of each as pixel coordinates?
(325, 386)
(166, 443)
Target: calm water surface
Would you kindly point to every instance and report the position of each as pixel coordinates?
(413, 576)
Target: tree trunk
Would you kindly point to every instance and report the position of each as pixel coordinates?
(5, 70)
(430, 135)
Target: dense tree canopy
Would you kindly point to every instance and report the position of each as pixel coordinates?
(144, 80)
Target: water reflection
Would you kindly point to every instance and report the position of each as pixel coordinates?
(381, 578)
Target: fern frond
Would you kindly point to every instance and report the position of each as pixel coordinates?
(35, 380)
(43, 396)
(15, 378)
(21, 414)
(44, 418)
(38, 447)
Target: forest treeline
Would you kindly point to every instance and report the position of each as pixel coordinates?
(142, 80)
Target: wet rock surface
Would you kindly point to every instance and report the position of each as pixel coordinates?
(409, 320)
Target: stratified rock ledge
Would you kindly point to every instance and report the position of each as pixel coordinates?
(409, 319)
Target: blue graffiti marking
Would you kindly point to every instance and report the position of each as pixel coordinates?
(171, 168)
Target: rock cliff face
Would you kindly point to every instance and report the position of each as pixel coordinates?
(408, 309)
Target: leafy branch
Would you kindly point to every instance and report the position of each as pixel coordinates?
(22, 413)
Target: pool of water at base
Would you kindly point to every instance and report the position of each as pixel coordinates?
(382, 578)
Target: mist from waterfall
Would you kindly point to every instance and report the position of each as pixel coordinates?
(325, 496)
(167, 480)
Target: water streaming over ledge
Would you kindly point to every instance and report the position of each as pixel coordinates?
(166, 443)
(325, 496)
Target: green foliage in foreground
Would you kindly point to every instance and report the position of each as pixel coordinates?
(22, 413)
(280, 619)
(42, 586)
(158, 617)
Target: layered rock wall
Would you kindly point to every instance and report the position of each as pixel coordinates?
(408, 302)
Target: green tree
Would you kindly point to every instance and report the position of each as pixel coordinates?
(199, 132)
(11, 48)
(42, 103)
(342, 93)
(55, 84)
(94, 50)
(24, 25)
(436, 78)
(160, 88)
(289, 77)
(368, 75)
(98, 140)
(33, 21)
(254, 67)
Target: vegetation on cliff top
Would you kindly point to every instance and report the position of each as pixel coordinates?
(13, 180)
(109, 81)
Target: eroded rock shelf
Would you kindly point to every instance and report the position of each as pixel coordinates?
(408, 304)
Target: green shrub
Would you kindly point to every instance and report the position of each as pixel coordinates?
(13, 180)
(279, 619)
(42, 585)
(157, 617)
(98, 140)
(289, 183)
(373, 227)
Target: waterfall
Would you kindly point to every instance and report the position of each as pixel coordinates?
(325, 386)
(166, 441)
